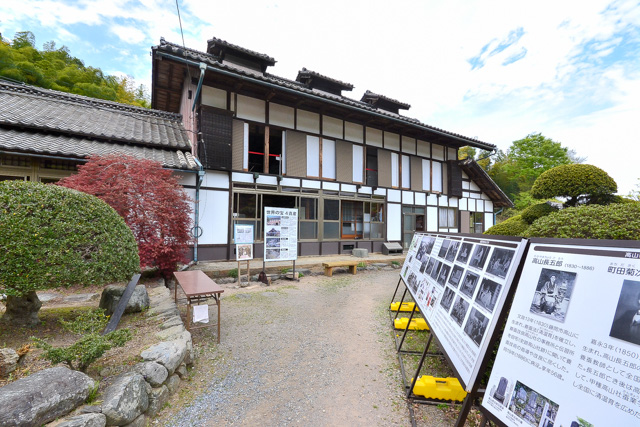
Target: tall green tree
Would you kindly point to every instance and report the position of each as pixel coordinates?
(55, 68)
(516, 170)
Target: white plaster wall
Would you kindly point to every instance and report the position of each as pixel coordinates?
(394, 221)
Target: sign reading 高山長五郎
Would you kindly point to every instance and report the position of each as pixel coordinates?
(570, 352)
(460, 284)
(280, 234)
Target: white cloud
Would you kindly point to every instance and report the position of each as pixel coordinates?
(128, 34)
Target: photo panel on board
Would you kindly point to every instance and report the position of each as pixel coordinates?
(500, 262)
(476, 326)
(459, 310)
(469, 283)
(626, 320)
(443, 249)
(447, 298)
(453, 249)
(488, 294)
(443, 274)
(465, 253)
(456, 276)
(479, 257)
(553, 294)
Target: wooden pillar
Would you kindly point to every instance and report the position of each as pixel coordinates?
(266, 149)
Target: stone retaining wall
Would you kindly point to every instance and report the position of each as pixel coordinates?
(130, 400)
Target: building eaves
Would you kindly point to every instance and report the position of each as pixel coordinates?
(33, 142)
(486, 184)
(171, 49)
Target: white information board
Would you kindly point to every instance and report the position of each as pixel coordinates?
(569, 355)
(460, 284)
(242, 233)
(280, 234)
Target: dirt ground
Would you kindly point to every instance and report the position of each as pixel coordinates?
(315, 352)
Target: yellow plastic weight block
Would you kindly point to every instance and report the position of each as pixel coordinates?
(406, 306)
(439, 388)
(416, 324)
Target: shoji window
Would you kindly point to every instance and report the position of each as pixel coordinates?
(328, 159)
(313, 156)
(406, 172)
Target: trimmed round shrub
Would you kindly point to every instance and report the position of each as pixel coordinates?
(52, 236)
(620, 221)
(577, 182)
(514, 226)
(536, 211)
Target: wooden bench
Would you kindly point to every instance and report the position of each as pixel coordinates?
(329, 266)
(198, 288)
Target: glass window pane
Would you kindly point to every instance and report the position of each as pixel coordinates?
(308, 208)
(376, 231)
(331, 230)
(419, 210)
(246, 207)
(308, 230)
(377, 212)
(451, 218)
(331, 209)
(409, 223)
(442, 217)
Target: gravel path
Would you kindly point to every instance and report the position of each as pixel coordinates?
(315, 352)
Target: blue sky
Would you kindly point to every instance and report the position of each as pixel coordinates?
(495, 70)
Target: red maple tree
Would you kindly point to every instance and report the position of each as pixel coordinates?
(148, 197)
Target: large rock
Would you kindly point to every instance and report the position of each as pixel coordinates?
(8, 361)
(126, 399)
(169, 354)
(84, 420)
(111, 295)
(157, 399)
(43, 396)
(154, 373)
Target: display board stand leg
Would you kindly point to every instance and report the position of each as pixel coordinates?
(395, 292)
(404, 335)
(400, 305)
(415, 376)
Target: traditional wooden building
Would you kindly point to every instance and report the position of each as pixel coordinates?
(359, 172)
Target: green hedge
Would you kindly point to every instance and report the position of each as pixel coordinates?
(533, 212)
(514, 226)
(52, 236)
(619, 221)
(573, 181)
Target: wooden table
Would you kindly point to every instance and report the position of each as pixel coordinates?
(198, 287)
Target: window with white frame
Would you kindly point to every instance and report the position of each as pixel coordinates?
(447, 218)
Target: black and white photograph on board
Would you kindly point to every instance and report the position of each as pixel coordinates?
(447, 298)
(272, 254)
(425, 263)
(479, 257)
(553, 294)
(456, 275)
(626, 320)
(500, 392)
(412, 281)
(453, 249)
(469, 284)
(532, 407)
(488, 294)
(443, 274)
(430, 264)
(422, 250)
(443, 249)
(500, 262)
(436, 270)
(459, 310)
(465, 253)
(475, 326)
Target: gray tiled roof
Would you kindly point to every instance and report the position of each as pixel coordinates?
(69, 146)
(213, 42)
(305, 74)
(213, 61)
(368, 95)
(36, 120)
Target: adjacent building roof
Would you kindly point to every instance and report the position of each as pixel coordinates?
(221, 48)
(381, 101)
(47, 122)
(168, 81)
(486, 184)
(318, 81)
